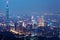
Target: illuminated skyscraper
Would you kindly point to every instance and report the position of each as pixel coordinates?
(7, 10)
(40, 21)
(32, 19)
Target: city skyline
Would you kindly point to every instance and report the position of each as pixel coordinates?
(32, 7)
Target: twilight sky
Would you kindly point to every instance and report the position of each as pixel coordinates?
(30, 7)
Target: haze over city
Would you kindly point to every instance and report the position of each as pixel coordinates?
(30, 7)
(29, 19)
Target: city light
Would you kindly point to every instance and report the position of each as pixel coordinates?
(30, 21)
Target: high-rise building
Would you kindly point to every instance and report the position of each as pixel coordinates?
(7, 10)
(11, 25)
(33, 21)
(40, 21)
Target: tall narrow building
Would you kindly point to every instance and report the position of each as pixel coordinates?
(7, 10)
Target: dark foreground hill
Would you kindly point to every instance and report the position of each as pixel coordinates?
(9, 36)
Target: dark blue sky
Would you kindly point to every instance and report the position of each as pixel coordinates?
(20, 7)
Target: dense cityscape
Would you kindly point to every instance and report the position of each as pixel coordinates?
(45, 26)
(24, 27)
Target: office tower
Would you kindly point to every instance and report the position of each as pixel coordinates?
(40, 22)
(33, 21)
(11, 25)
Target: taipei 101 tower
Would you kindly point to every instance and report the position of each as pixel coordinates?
(7, 10)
